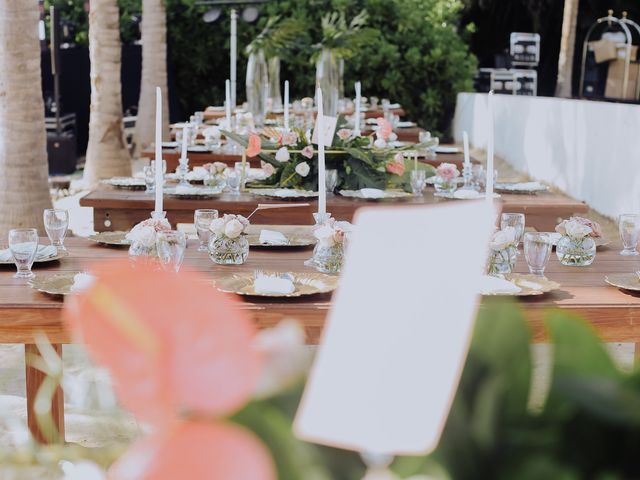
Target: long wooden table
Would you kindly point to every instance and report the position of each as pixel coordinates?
(197, 159)
(615, 314)
(115, 209)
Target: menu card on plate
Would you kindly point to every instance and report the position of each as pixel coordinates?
(396, 339)
(328, 130)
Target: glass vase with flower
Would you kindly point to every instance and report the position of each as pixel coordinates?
(228, 244)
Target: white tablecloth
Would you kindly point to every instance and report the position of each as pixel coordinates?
(590, 150)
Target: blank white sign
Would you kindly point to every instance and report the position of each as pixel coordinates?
(396, 339)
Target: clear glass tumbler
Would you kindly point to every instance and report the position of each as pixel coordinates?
(56, 223)
(23, 243)
(629, 228)
(418, 181)
(202, 219)
(171, 246)
(234, 179)
(537, 249)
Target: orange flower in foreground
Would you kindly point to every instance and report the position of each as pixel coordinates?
(175, 345)
(396, 167)
(255, 145)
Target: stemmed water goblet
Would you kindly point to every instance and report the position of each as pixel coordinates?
(629, 228)
(23, 244)
(171, 246)
(202, 219)
(56, 223)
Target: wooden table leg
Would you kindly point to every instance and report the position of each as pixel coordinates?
(34, 379)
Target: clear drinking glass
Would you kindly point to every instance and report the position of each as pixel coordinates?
(149, 179)
(202, 219)
(515, 220)
(629, 227)
(233, 181)
(56, 223)
(23, 243)
(171, 246)
(331, 179)
(537, 249)
(418, 181)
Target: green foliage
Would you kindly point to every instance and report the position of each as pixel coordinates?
(411, 52)
(280, 37)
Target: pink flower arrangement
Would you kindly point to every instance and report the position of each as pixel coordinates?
(288, 138)
(307, 152)
(255, 145)
(447, 171)
(331, 233)
(384, 129)
(345, 134)
(396, 166)
(579, 227)
(215, 167)
(267, 168)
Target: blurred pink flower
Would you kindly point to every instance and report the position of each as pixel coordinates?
(384, 129)
(396, 167)
(307, 151)
(447, 171)
(345, 134)
(255, 145)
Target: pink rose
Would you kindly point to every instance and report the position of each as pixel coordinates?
(288, 138)
(267, 168)
(338, 235)
(596, 229)
(307, 151)
(384, 129)
(344, 134)
(447, 171)
(255, 145)
(395, 167)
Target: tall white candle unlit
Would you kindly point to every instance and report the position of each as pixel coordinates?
(227, 102)
(286, 105)
(490, 134)
(358, 100)
(465, 143)
(159, 172)
(322, 189)
(185, 134)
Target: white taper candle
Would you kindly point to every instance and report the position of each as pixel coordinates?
(322, 189)
(159, 172)
(358, 100)
(185, 134)
(227, 102)
(490, 134)
(286, 105)
(465, 143)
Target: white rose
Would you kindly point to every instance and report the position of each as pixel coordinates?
(282, 155)
(576, 229)
(379, 143)
(233, 228)
(302, 169)
(144, 235)
(324, 235)
(503, 239)
(217, 226)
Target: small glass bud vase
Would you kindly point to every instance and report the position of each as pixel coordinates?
(144, 244)
(328, 259)
(443, 185)
(502, 261)
(228, 251)
(576, 252)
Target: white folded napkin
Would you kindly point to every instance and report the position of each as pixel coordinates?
(467, 194)
(528, 284)
(44, 251)
(442, 149)
(286, 192)
(372, 193)
(493, 285)
(184, 190)
(273, 284)
(82, 281)
(272, 237)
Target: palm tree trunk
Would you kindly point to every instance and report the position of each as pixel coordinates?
(107, 154)
(24, 187)
(567, 48)
(154, 73)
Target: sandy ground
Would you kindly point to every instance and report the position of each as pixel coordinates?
(92, 415)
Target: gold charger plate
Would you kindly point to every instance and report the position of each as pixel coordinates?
(279, 193)
(197, 194)
(388, 195)
(57, 256)
(304, 283)
(545, 284)
(116, 238)
(626, 281)
(59, 284)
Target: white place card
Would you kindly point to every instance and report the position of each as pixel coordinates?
(328, 130)
(396, 339)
